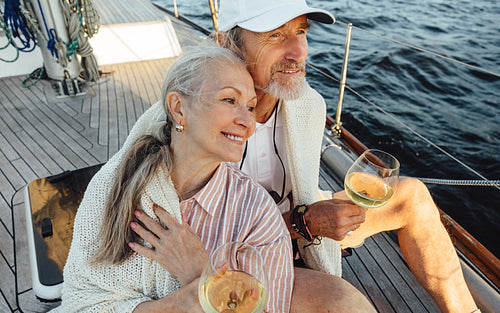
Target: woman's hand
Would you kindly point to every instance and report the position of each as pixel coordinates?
(175, 247)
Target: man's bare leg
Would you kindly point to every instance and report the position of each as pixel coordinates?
(426, 246)
(318, 292)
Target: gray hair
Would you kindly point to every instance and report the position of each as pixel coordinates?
(187, 76)
(190, 71)
(233, 41)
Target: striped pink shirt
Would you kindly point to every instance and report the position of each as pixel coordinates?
(231, 207)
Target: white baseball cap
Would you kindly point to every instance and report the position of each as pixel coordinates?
(265, 15)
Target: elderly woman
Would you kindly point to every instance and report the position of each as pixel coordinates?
(121, 259)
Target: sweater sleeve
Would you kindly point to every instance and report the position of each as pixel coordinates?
(90, 287)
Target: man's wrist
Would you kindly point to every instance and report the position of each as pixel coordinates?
(298, 222)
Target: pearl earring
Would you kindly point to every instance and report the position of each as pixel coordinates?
(179, 128)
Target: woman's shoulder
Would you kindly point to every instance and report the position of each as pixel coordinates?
(235, 175)
(243, 186)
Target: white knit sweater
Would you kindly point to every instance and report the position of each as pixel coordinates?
(304, 123)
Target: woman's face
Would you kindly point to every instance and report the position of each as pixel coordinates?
(218, 127)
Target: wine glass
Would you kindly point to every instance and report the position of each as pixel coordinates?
(234, 280)
(372, 179)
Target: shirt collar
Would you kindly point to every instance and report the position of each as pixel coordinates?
(211, 195)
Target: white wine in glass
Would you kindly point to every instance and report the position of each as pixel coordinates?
(372, 179)
(234, 280)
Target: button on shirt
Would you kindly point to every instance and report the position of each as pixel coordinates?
(261, 161)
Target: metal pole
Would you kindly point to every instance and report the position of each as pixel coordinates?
(336, 128)
(214, 13)
(175, 9)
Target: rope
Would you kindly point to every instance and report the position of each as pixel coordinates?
(13, 19)
(34, 77)
(91, 21)
(10, 41)
(74, 19)
(423, 50)
(31, 27)
(52, 40)
(455, 182)
(32, 23)
(73, 22)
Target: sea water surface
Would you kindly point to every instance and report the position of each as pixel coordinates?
(451, 105)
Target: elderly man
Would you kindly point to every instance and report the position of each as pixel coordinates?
(283, 156)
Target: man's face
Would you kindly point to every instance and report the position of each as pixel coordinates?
(276, 59)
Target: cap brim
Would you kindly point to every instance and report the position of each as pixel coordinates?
(274, 19)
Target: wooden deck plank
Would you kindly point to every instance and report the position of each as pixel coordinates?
(49, 120)
(32, 160)
(50, 114)
(46, 150)
(370, 286)
(5, 185)
(134, 91)
(31, 127)
(406, 279)
(103, 114)
(50, 166)
(327, 183)
(122, 77)
(121, 105)
(113, 120)
(86, 104)
(6, 286)
(8, 151)
(141, 85)
(6, 234)
(6, 106)
(153, 84)
(376, 261)
(349, 275)
(11, 173)
(397, 281)
(24, 170)
(122, 80)
(38, 139)
(95, 105)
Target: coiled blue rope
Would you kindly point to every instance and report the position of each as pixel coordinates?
(16, 23)
(10, 41)
(51, 33)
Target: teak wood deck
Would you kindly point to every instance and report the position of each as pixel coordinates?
(40, 139)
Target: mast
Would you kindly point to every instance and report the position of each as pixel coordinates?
(336, 127)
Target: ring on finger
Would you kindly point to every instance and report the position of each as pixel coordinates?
(349, 233)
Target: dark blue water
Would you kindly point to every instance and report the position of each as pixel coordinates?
(453, 106)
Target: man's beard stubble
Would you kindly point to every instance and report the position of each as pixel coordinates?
(289, 89)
